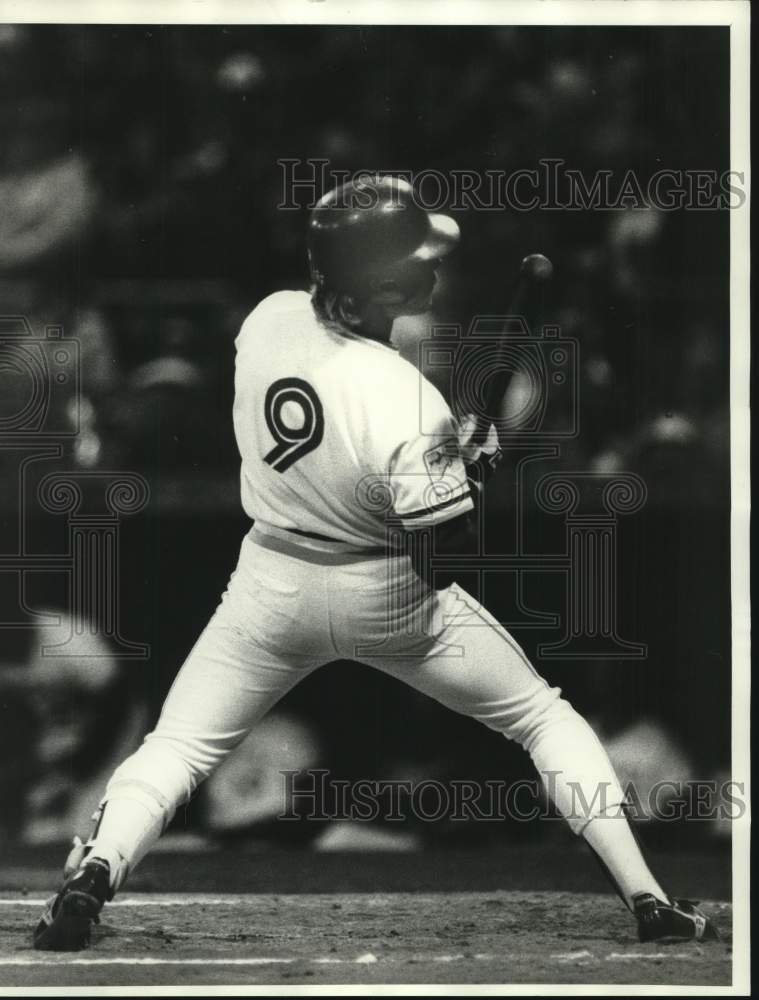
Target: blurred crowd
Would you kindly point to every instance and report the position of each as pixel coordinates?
(139, 193)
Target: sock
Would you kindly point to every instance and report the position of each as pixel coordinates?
(580, 780)
(613, 841)
(131, 823)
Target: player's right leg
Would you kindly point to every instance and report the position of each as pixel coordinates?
(270, 630)
(449, 647)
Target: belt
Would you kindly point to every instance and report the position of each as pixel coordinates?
(292, 542)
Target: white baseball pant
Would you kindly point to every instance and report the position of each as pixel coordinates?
(289, 609)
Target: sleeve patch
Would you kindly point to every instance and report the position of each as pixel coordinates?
(439, 459)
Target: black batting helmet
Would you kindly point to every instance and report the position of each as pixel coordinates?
(365, 227)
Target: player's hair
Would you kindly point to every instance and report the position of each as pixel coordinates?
(338, 311)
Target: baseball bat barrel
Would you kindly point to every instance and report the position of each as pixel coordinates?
(527, 303)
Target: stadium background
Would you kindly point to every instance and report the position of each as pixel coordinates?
(138, 207)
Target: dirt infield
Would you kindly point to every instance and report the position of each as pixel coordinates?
(499, 937)
(504, 936)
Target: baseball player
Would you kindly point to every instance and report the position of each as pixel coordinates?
(349, 460)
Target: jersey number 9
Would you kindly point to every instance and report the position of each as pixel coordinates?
(295, 419)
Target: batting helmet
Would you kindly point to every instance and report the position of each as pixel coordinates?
(368, 226)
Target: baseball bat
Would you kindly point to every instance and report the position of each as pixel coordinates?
(535, 271)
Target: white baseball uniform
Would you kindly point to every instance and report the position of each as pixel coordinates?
(341, 417)
(335, 434)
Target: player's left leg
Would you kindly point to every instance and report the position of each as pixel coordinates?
(270, 631)
(226, 685)
(469, 663)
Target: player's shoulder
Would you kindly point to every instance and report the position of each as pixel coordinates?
(418, 390)
(401, 398)
(379, 369)
(285, 301)
(278, 305)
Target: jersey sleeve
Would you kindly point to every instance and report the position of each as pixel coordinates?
(428, 479)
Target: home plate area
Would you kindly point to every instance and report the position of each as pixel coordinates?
(502, 937)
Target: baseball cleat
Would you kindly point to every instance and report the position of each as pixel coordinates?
(67, 921)
(676, 920)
